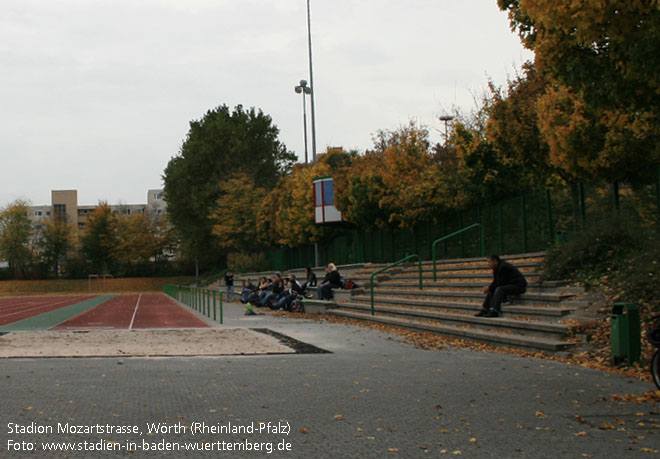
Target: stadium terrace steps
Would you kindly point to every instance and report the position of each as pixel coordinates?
(537, 320)
(472, 334)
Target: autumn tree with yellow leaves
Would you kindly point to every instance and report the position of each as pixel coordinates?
(288, 217)
(235, 214)
(397, 184)
(600, 115)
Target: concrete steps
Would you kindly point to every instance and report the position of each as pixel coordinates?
(478, 335)
(536, 320)
(545, 312)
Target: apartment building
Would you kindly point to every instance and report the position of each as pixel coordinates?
(64, 204)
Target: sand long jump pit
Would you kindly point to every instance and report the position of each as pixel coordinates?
(136, 325)
(147, 343)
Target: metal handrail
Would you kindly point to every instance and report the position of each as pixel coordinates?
(474, 225)
(371, 279)
(198, 299)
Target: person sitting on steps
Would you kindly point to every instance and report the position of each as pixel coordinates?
(331, 280)
(507, 280)
(293, 290)
(311, 279)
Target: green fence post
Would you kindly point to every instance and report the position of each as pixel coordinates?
(215, 309)
(221, 319)
(500, 221)
(583, 206)
(523, 205)
(460, 240)
(551, 225)
(658, 190)
(615, 191)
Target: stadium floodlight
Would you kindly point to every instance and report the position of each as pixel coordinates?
(446, 119)
(303, 89)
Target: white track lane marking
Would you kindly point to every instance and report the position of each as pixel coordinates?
(135, 311)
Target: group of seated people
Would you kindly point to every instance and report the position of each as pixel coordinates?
(279, 293)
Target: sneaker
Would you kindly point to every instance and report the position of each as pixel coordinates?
(492, 313)
(481, 313)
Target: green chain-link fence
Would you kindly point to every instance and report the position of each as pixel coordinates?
(526, 223)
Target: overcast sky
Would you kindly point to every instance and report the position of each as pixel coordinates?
(96, 95)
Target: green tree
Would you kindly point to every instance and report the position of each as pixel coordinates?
(15, 230)
(100, 241)
(222, 143)
(57, 239)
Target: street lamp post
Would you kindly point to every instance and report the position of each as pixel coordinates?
(446, 119)
(303, 89)
(311, 82)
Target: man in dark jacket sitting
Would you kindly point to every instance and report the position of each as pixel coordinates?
(507, 280)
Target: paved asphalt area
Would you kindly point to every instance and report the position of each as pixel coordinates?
(370, 396)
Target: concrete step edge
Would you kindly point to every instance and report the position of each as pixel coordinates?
(533, 311)
(503, 322)
(535, 342)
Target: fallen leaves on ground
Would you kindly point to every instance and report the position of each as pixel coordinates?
(648, 396)
(598, 358)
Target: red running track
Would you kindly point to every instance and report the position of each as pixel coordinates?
(19, 308)
(148, 310)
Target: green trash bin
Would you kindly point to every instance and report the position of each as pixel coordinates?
(626, 335)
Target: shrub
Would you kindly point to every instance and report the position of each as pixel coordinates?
(592, 252)
(618, 255)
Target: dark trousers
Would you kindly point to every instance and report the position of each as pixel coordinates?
(495, 298)
(324, 291)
